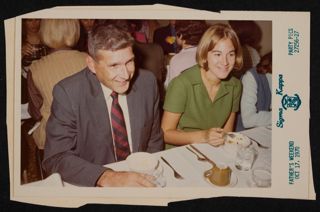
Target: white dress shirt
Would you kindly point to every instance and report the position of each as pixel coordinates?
(250, 116)
(185, 59)
(124, 106)
(255, 57)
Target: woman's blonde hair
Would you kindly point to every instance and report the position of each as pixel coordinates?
(60, 33)
(211, 37)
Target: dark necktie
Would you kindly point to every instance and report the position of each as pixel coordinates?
(120, 135)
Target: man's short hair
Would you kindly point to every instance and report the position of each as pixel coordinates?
(108, 37)
(209, 40)
(60, 33)
(265, 63)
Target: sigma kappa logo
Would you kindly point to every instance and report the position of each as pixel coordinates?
(291, 102)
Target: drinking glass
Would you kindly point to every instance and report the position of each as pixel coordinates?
(245, 158)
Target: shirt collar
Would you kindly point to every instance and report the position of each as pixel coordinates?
(223, 90)
(196, 78)
(106, 91)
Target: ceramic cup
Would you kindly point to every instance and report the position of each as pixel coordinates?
(146, 163)
(219, 175)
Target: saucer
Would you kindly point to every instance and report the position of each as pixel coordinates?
(233, 181)
(251, 183)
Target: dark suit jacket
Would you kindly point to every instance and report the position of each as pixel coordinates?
(150, 56)
(160, 36)
(79, 138)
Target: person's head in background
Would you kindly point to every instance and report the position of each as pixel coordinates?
(123, 24)
(60, 33)
(189, 32)
(30, 39)
(219, 52)
(172, 23)
(111, 57)
(265, 65)
(87, 24)
(135, 28)
(30, 27)
(134, 25)
(249, 33)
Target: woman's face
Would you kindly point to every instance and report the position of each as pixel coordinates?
(32, 25)
(221, 59)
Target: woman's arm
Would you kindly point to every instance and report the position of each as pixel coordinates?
(174, 136)
(229, 126)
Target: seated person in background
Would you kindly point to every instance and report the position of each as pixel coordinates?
(166, 38)
(149, 26)
(32, 49)
(250, 35)
(86, 25)
(201, 103)
(256, 96)
(87, 127)
(189, 34)
(61, 35)
(135, 27)
(150, 56)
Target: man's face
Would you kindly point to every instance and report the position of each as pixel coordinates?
(114, 69)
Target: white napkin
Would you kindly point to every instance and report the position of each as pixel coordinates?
(260, 134)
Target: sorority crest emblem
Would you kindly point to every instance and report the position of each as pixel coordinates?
(291, 102)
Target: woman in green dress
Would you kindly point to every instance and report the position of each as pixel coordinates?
(202, 102)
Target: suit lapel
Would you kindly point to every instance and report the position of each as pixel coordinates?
(133, 99)
(98, 106)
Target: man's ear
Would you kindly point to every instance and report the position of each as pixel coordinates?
(91, 64)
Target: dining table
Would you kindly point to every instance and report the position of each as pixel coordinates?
(192, 169)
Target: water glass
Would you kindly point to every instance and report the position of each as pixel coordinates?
(261, 177)
(245, 158)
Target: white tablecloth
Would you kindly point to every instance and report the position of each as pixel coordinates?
(186, 163)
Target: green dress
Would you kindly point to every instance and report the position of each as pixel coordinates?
(186, 94)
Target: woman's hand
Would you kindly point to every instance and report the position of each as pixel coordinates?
(214, 136)
(27, 49)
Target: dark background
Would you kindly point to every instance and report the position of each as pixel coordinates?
(14, 8)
